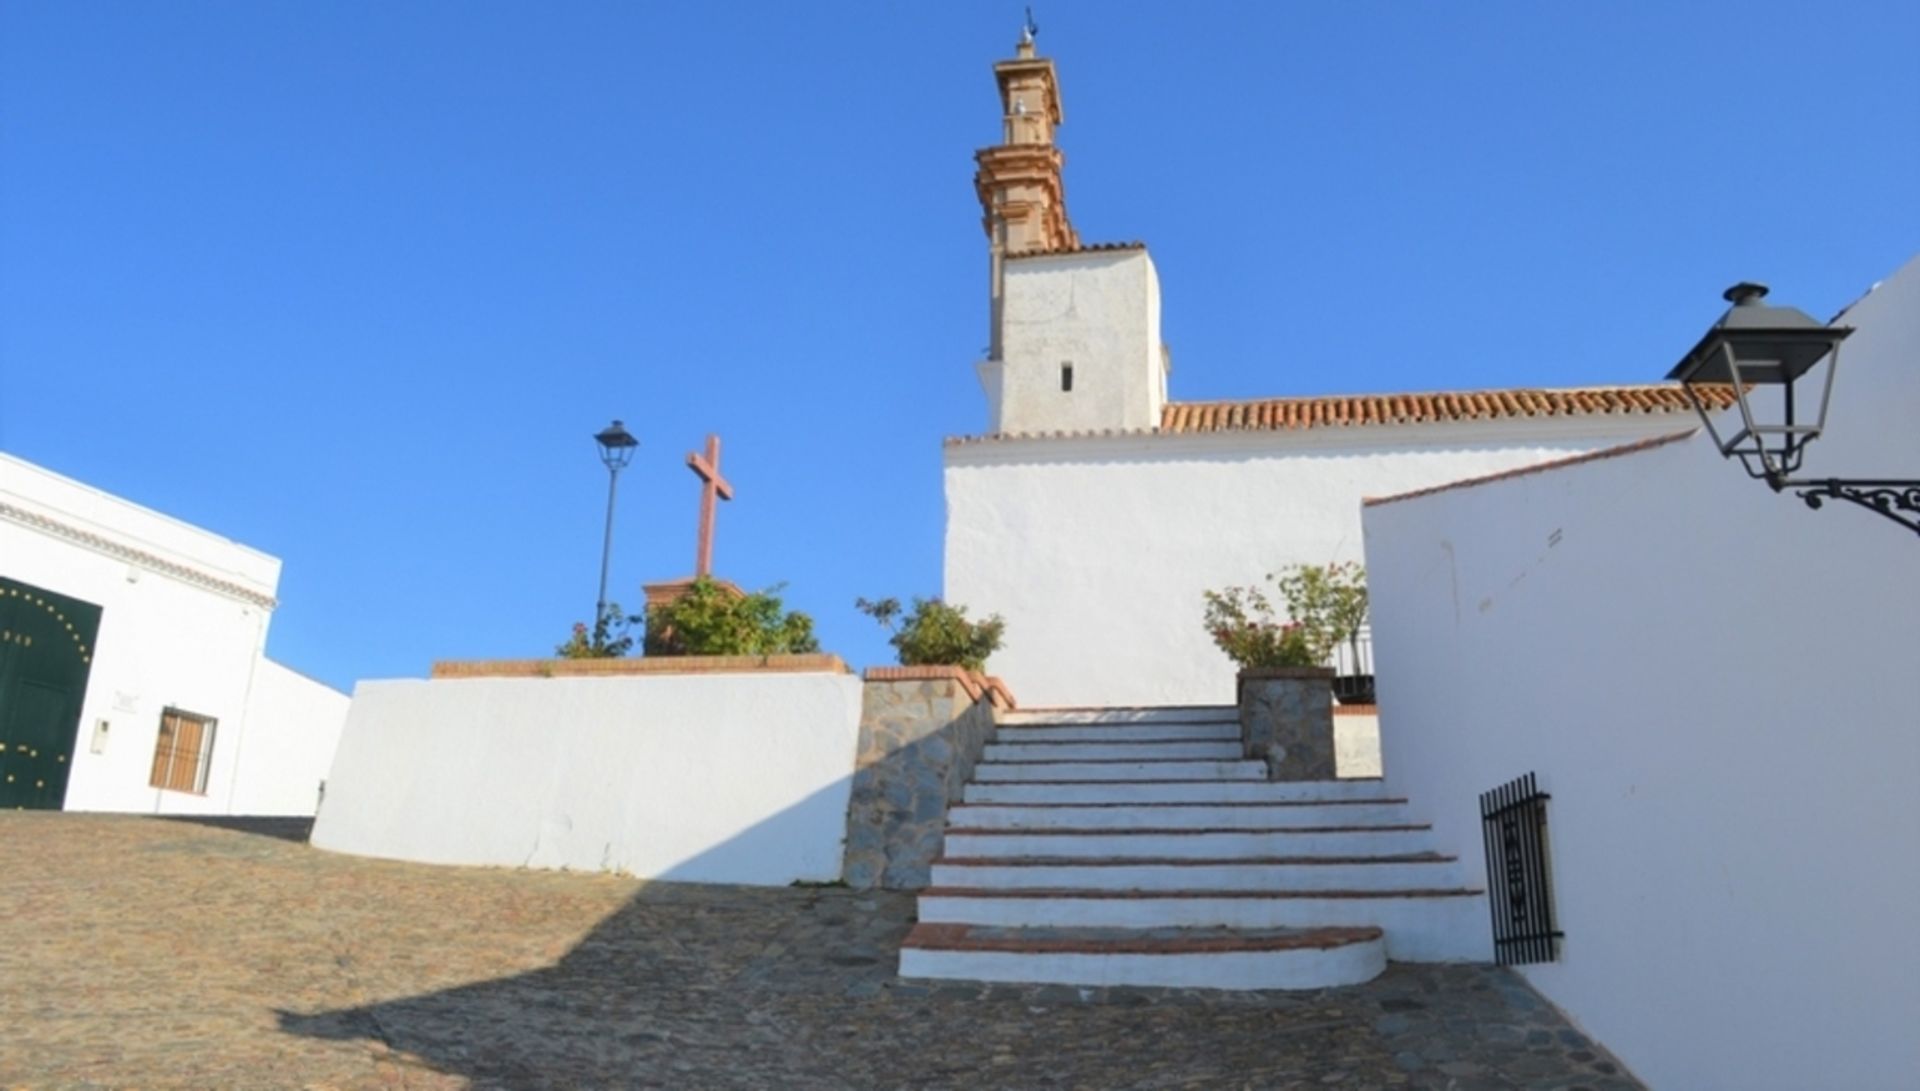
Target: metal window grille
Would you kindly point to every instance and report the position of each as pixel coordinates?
(183, 752)
(1513, 819)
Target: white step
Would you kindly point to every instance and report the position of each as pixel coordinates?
(1098, 771)
(1188, 844)
(1186, 714)
(1306, 959)
(1447, 925)
(1189, 816)
(1258, 791)
(1208, 732)
(1377, 873)
(1112, 751)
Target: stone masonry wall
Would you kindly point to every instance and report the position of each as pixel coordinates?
(1286, 718)
(922, 731)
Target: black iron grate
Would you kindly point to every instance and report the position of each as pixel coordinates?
(1513, 818)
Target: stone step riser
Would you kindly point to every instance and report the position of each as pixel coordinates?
(1220, 732)
(1261, 791)
(1200, 846)
(1000, 772)
(1189, 816)
(1418, 929)
(1124, 751)
(1312, 968)
(1415, 875)
(1200, 714)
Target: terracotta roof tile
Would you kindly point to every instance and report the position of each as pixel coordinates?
(1293, 414)
(1080, 248)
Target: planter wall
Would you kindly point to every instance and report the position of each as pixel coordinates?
(922, 730)
(1286, 718)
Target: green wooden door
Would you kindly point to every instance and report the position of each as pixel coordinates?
(46, 651)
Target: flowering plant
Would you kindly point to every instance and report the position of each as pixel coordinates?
(1329, 601)
(608, 639)
(1326, 605)
(1242, 623)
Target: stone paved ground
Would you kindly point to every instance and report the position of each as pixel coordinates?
(148, 953)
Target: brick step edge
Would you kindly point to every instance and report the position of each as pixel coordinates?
(1154, 761)
(1384, 802)
(1042, 744)
(1106, 895)
(1121, 761)
(1154, 831)
(1185, 861)
(959, 937)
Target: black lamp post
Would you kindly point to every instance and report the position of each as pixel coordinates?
(616, 450)
(1759, 350)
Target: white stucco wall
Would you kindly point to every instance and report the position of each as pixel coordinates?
(1096, 550)
(293, 727)
(1099, 312)
(738, 778)
(168, 638)
(1715, 685)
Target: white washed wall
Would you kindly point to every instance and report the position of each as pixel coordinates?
(163, 642)
(1715, 685)
(1096, 550)
(738, 778)
(293, 727)
(1099, 312)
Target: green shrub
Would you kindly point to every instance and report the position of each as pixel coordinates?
(609, 638)
(934, 634)
(711, 619)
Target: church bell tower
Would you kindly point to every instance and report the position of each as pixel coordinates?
(1023, 202)
(1075, 338)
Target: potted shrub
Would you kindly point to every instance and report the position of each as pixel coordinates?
(1284, 690)
(1242, 623)
(1326, 607)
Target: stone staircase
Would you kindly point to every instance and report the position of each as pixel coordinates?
(1139, 846)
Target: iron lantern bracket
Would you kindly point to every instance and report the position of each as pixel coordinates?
(1897, 500)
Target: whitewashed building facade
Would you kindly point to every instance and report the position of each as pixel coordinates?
(133, 674)
(1713, 684)
(1094, 510)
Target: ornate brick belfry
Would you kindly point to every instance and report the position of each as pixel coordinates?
(1023, 202)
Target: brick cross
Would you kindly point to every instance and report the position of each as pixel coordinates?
(712, 486)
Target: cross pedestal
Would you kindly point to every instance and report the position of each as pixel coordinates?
(671, 591)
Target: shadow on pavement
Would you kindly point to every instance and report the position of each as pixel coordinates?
(295, 829)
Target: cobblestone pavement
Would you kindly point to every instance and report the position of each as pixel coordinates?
(138, 952)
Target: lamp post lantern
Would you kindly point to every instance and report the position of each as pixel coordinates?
(616, 450)
(1762, 352)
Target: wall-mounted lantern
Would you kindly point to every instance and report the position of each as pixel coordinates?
(1763, 353)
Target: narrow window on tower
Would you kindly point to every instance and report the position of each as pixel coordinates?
(1066, 378)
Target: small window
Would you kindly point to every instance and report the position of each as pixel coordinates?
(183, 752)
(1066, 378)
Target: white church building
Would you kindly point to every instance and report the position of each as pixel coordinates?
(133, 668)
(1090, 478)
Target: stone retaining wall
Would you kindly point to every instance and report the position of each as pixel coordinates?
(922, 729)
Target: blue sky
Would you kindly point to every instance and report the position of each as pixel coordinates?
(354, 283)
